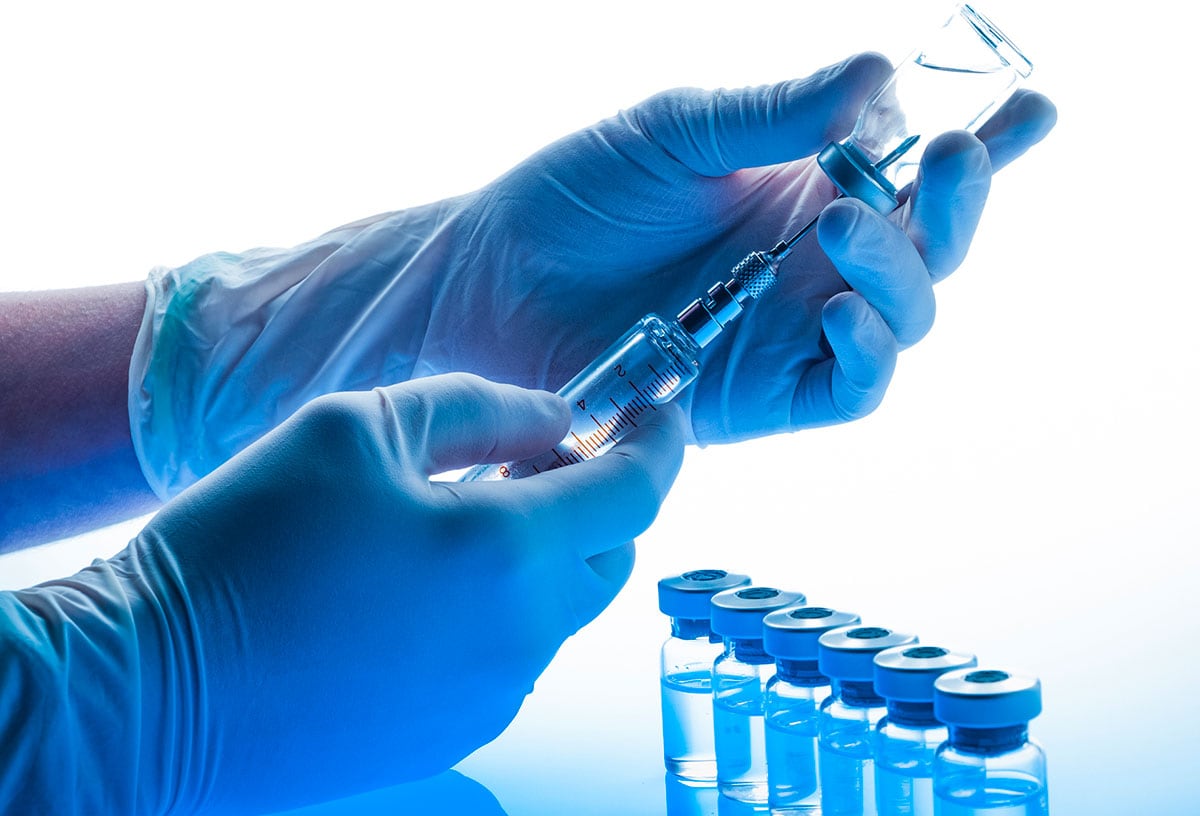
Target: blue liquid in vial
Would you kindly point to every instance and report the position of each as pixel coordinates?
(903, 794)
(740, 743)
(687, 717)
(847, 782)
(792, 761)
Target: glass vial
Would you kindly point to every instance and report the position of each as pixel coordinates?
(740, 678)
(907, 738)
(988, 766)
(958, 78)
(792, 704)
(845, 756)
(686, 672)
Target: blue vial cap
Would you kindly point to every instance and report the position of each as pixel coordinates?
(906, 673)
(848, 653)
(986, 698)
(739, 613)
(687, 595)
(791, 634)
(856, 177)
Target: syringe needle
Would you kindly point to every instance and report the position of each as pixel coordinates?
(784, 248)
(781, 250)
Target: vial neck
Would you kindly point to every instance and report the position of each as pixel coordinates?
(859, 693)
(912, 715)
(989, 741)
(689, 629)
(800, 672)
(749, 651)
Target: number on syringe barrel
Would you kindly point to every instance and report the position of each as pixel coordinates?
(650, 364)
(658, 387)
(583, 442)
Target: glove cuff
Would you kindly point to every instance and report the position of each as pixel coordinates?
(232, 345)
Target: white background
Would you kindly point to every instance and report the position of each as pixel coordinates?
(1028, 489)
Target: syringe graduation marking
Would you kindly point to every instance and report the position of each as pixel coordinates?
(620, 414)
(656, 386)
(661, 385)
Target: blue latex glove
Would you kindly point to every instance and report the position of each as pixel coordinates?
(526, 280)
(317, 618)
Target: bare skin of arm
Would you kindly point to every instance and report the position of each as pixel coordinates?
(67, 463)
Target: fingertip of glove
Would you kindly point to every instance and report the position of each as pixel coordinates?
(868, 67)
(533, 408)
(843, 312)
(1022, 122)
(855, 317)
(961, 148)
(834, 95)
(1039, 112)
(553, 408)
(956, 161)
(837, 222)
(857, 74)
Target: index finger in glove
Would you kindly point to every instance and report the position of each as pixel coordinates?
(714, 133)
(603, 502)
(455, 420)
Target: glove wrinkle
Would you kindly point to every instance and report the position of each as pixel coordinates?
(233, 344)
(105, 682)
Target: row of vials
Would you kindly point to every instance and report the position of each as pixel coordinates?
(802, 709)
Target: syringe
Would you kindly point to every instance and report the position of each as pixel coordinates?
(650, 365)
(658, 358)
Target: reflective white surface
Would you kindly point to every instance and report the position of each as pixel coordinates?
(1027, 491)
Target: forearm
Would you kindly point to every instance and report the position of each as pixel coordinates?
(66, 460)
(231, 345)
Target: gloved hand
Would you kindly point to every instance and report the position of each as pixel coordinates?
(316, 618)
(526, 280)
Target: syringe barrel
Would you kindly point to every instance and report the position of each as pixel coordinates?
(649, 366)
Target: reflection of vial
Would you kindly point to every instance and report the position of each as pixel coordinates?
(988, 765)
(906, 739)
(740, 677)
(849, 716)
(686, 671)
(792, 702)
(688, 799)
